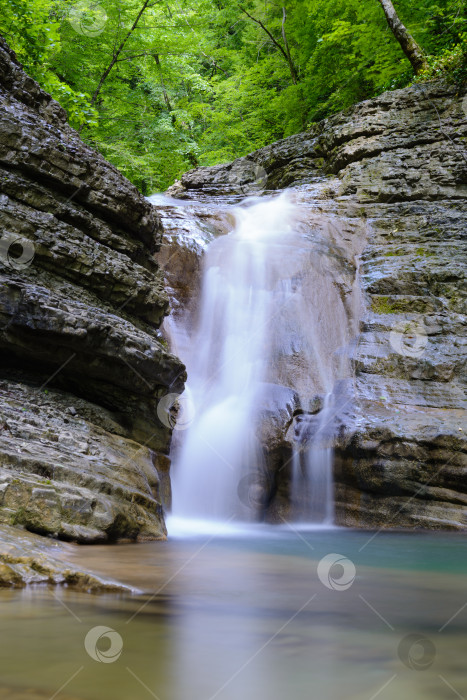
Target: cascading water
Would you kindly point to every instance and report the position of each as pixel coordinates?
(269, 316)
(312, 483)
(229, 362)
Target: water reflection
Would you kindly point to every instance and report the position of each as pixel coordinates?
(248, 617)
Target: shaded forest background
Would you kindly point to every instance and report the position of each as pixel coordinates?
(161, 87)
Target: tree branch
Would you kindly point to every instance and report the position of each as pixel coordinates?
(214, 62)
(285, 53)
(117, 53)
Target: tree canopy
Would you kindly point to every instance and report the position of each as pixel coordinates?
(161, 86)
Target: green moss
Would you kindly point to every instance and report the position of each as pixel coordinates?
(399, 304)
(424, 253)
(381, 305)
(20, 517)
(454, 302)
(163, 342)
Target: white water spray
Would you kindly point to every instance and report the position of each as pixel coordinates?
(262, 320)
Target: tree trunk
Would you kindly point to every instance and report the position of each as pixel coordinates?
(408, 44)
(117, 53)
(161, 77)
(292, 69)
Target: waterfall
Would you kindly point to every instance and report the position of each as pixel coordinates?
(312, 483)
(269, 317)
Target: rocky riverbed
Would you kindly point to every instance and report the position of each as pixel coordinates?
(26, 558)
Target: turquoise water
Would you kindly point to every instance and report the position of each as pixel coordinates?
(247, 616)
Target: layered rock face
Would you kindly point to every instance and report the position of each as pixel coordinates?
(396, 167)
(83, 364)
(26, 558)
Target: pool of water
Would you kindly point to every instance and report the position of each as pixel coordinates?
(246, 615)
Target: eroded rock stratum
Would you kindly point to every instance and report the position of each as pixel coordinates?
(395, 167)
(83, 455)
(82, 451)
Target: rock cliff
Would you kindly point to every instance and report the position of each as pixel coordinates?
(394, 167)
(83, 364)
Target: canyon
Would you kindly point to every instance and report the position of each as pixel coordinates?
(385, 186)
(90, 267)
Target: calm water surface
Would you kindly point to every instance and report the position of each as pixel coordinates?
(245, 616)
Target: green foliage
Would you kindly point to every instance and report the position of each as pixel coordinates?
(201, 82)
(450, 63)
(33, 32)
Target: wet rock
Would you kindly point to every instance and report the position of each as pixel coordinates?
(83, 362)
(397, 166)
(278, 406)
(26, 558)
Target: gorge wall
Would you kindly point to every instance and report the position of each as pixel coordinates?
(83, 455)
(391, 173)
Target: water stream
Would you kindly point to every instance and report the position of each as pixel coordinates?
(246, 618)
(270, 319)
